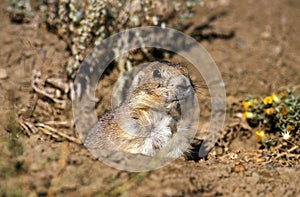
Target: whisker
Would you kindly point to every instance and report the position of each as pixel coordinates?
(200, 88)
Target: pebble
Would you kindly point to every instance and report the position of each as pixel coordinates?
(35, 167)
(238, 168)
(170, 192)
(3, 74)
(266, 35)
(240, 43)
(277, 50)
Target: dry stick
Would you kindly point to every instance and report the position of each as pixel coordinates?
(296, 156)
(291, 143)
(50, 129)
(26, 129)
(288, 151)
(44, 93)
(31, 127)
(58, 83)
(45, 128)
(47, 132)
(293, 148)
(59, 123)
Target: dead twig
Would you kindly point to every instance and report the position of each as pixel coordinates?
(36, 81)
(59, 83)
(287, 152)
(51, 131)
(47, 132)
(28, 127)
(43, 93)
(64, 124)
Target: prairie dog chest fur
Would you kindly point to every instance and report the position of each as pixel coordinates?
(150, 116)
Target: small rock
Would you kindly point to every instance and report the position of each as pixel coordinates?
(277, 50)
(3, 74)
(266, 35)
(238, 168)
(35, 167)
(240, 43)
(32, 194)
(170, 192)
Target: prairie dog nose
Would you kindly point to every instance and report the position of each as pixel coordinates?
(181, 82)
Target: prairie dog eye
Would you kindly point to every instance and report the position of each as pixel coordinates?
(156, 74)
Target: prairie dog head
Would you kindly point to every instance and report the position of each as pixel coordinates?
(167, 80)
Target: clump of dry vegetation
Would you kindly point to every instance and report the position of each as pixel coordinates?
(84, 24)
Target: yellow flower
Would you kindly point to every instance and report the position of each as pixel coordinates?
(275, 98)
(248, 115)
(268, 100)
(261, 137)
(246, 104)
(269, 111)
(250, 103)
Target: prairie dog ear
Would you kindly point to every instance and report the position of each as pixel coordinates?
(141, 74)
(137, 79)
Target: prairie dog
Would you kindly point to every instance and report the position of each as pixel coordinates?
(151, 115)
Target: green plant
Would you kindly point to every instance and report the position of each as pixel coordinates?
(277, 118)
